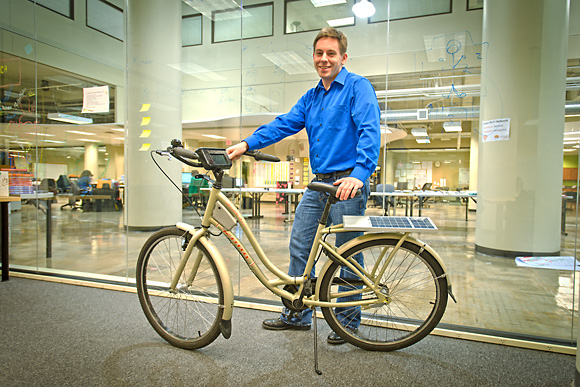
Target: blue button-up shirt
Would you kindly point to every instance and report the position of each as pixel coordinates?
(342, 123)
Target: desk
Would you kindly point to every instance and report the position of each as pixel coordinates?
(98, 199)
(47, 198)
(4, 231)
(423, 195)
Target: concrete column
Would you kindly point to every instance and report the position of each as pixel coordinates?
(153, 112)
(473, 163)
(523, 78)
(92, 159)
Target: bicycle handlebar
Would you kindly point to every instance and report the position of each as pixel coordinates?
(259, 156)
(185, 153)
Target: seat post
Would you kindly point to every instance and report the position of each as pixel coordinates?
(329, 202)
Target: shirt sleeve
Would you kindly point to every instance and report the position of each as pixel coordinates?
(366, 115)
(281, 127)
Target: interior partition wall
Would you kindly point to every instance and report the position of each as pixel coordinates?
(97, 85)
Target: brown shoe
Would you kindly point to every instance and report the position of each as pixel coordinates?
(279, 325)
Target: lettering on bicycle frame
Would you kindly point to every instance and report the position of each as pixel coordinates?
(234, 240)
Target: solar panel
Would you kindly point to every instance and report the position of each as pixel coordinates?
(388, 223)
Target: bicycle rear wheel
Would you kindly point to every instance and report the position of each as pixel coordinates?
(189, 317)
(417, 297)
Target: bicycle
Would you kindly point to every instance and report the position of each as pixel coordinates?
(396, 283)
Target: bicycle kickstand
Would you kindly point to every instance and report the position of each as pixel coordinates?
(318, 372)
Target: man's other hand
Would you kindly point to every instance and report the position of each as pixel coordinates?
(347, 187)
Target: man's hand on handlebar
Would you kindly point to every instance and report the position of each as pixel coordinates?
(347, 187)
(236, 151)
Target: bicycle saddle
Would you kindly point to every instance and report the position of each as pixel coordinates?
(327, 188)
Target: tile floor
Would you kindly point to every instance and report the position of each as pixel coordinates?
(492, 292)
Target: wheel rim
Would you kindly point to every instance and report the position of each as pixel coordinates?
(412, 285)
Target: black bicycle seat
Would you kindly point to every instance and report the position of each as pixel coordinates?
(326, 188)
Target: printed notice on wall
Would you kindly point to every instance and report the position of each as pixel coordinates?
(96, 99)
(496, 130)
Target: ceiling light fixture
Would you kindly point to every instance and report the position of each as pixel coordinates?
(363, 9)
(214, 136)
(345, 21)
(452, 126)
(423, 140)
(323, 3)
(419, 132)
(69, 118)
(79, 132)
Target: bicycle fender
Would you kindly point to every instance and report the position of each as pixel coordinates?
(228, 306)
(375, 236)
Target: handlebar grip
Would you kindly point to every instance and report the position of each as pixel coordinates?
(185, 153)
(259, 156)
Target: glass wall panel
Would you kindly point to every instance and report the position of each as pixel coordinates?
(106, 17)
(257, 21)
(74, 100)
(306, 15)
(404, 9)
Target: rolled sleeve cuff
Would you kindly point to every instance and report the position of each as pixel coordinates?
(360, 173)
(252, 143)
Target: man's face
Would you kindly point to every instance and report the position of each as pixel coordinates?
(327, 59)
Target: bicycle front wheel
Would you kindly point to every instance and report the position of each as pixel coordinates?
(416, 290)
(189, 316)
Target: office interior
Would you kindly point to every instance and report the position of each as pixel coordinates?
(209, 73)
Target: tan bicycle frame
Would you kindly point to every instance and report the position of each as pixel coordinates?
(282, 278)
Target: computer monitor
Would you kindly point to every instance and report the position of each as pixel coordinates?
(426, 186)
(402, 185)
(185, 178)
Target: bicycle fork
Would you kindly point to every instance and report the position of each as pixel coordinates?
(198, 236)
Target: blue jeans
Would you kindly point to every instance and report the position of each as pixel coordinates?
(308, 213)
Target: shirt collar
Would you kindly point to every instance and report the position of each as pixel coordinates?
(340, 77)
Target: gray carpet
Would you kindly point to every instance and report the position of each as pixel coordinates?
(64, 335)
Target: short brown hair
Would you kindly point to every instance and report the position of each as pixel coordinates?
(331, 32)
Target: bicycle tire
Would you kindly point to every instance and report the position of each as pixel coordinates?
(415, 283)
(189, 318)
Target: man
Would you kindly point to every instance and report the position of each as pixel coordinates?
(342, 119)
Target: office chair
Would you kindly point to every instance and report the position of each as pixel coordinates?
(63, 184)
(388, 200)
(75, 193)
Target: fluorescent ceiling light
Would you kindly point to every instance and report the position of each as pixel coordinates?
(215, 136)
(345, 21)
(69, 118)
(200, 72)
(419, 132)
(20, 142)
(290, 62)
(53, 141)
(79, 132)
(324, 3)
(42, 134)
(118, 129)
(452, 126)
(570, 133)
(423, 140)
(119, 138)
(364, 8)
(87, 140)
(569, 150)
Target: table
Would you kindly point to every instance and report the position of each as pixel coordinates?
(97, 198)
(47, 197)
(422, 196)
(257, 193)
(4, 231)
